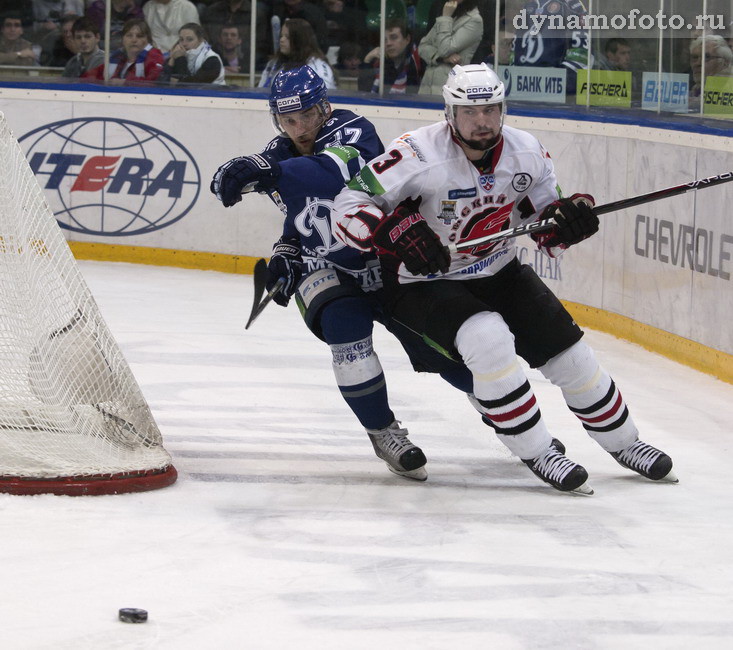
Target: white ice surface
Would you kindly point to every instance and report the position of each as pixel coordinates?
(285, 531)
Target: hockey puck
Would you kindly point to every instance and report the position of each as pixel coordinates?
(133, 615)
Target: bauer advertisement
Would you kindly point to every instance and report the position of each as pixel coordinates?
(134, 170)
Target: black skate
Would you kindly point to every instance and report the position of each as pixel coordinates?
(402, 457)
(646, 460)
(560, 472)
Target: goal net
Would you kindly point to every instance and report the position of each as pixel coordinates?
(72, 418)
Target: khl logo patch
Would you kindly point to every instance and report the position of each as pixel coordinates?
(487, 181)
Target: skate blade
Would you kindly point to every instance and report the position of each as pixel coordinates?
(584, 490)
(419, 474)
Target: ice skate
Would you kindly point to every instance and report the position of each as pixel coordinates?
(647, 461)
(560, 472)
(394, 447)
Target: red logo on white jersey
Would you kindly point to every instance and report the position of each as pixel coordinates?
(486, 222)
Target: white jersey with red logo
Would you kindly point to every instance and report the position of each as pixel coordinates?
(458, 201)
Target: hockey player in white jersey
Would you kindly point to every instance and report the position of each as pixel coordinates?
(455, 181)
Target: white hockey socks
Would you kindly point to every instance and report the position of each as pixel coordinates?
(500, 386)
(361, 381)
(592, 396)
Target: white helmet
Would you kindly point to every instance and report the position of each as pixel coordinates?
(472, 85)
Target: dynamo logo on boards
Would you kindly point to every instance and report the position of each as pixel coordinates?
(507, 74)
(112, 177)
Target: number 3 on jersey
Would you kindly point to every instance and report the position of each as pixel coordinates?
(384, 165)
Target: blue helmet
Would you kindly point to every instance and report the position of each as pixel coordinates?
(296, 90)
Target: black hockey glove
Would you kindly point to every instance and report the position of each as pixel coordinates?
(255, 173)
(406, 234)
(574, 218)
(285, 263)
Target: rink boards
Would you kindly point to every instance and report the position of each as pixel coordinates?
(127, 175)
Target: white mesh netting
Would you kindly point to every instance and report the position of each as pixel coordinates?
(69, 404)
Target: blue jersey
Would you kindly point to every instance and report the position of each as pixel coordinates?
(540, 44)
(309, 184)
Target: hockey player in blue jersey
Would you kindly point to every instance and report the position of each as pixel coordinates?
(318, 150)
(538, 42)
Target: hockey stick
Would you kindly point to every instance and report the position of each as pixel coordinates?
(260, 279)
(547, 224)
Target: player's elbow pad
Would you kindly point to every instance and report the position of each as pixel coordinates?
(355, 229)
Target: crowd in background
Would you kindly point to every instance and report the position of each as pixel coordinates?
(208, 41)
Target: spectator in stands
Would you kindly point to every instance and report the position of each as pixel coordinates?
(238, 12)
(453, 40)
(718, 60)
(58, 47)
(22, 9)
(344, 24)
(121, 12)
(88, 56)
(617, 55)
(230, 50)
(485, 49)
(487, 9)
(506, 50)
(15, 50)
(166, 17)
(298, 46)
(288, 9)
(138, 61)
(349, 59)
(48, 14)
(403, 67)
(192, 60)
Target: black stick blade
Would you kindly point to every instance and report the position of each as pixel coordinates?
(260, 280)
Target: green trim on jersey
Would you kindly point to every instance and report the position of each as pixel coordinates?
(366, 181)
(343, 152)
(342, 156)
(577, 55)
